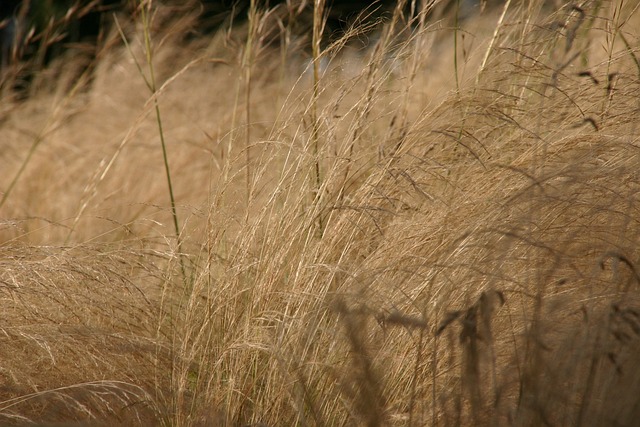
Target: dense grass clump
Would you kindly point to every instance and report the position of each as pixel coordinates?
(430, 221)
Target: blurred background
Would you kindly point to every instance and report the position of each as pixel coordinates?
(37, 31)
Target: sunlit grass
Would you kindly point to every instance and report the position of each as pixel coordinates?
(376, 235)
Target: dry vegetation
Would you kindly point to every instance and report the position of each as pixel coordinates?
(389, 237)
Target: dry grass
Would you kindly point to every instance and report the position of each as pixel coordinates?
(477, 259)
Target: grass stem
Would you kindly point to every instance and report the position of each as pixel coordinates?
(318, 29)
(165, 158)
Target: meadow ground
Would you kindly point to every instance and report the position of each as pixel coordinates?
(415, 232)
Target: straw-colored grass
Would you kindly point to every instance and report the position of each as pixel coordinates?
(379, 244)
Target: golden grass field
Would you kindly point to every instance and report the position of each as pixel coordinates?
(389, 237)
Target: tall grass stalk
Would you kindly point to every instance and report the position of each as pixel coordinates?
(420, 44)
(456, 28)
(145, 11)
(375, 73)
(247, 67)
(490, 48)
(318, 30)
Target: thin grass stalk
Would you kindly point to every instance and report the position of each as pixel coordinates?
(455, 46)
(11, 66)
(434, 374)
(365, 106)
(586, 398)
(419, 14)
(40, 137)
(285, 45)
(318, 29)
(496, 33)
(612, 35)
(247, 66)
(456, 24)
(416, 375)
(152, 86)
(39, 64)
(32, 149)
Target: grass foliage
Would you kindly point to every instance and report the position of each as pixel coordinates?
(394, 227)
